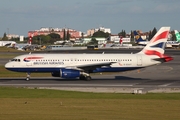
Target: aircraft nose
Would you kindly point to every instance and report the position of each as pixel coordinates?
(7, 65)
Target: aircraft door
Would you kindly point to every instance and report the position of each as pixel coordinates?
(28, 61)
(139, 60)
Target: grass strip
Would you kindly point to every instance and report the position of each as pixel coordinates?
(23, 103)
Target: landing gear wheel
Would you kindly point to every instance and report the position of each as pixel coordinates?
(88, 78)
(28, 76)
(82, 77)
(27, 79)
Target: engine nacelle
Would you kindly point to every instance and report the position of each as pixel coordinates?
(66, 73)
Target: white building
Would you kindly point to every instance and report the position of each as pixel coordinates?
(12, 36)
(116, 39)
(21, 38)
(100, 40)
(92, 31)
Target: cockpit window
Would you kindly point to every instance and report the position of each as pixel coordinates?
(16, 60)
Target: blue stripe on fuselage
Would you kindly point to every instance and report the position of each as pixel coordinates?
(108, 69)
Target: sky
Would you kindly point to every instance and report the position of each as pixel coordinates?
(20, 16)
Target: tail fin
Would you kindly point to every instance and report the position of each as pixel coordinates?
(121, 40)
(138, 37)
(177, 36)
(157, 43)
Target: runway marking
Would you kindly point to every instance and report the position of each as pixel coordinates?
(170, 69)
(165, 85)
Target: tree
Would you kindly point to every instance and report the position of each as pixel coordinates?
(55, 36)
(173, 36)
(132, 36)
(64, 34)
(42, 39)
(68, 36)
(5, 37)
(153, 33)
(100, 34)
(122, 33)
(150, 34)
(82, 35)
(93, 42)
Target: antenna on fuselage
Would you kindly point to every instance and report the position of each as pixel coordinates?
(30, 53)
(102, 52)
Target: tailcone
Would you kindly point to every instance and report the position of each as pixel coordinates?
(164, 58)
(167, 58)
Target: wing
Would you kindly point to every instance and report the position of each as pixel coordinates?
(90, 67)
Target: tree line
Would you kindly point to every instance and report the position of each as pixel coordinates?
(52, 37)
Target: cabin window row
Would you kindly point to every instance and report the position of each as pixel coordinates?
(89, 60)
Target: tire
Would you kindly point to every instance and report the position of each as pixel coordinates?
(88, 78)
(27, 79)
(82, 77)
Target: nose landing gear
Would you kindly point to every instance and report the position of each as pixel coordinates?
(28, 76)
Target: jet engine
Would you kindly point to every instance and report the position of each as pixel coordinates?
(66, 73)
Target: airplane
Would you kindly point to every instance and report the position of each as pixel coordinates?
(139, 39)
(6, 43)
(81, 65)
(177, 42)
(177, 36)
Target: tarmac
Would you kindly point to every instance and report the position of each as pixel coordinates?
(163, 78)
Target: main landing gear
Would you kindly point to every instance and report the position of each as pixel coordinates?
(85, 76)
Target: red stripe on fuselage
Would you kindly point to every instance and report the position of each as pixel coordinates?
(33, 57)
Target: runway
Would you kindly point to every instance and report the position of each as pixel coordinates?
(160, 78)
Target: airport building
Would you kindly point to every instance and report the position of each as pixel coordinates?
(12, 36)
(92, 31)
(45, 31)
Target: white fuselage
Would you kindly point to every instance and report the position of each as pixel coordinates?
(52, 62)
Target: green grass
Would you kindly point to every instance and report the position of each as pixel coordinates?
(42, 104)
(33, 104)
(6, 49)
(8, 56)
(13, 92)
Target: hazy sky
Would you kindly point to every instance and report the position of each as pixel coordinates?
(21, 16)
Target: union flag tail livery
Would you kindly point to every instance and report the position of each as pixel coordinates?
(157, 44)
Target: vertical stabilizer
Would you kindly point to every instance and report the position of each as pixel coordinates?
(177, 36)
(138, 37)
(157, 43)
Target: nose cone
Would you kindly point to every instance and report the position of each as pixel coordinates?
(7, 65)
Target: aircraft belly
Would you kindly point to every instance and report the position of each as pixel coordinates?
(33, 69)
